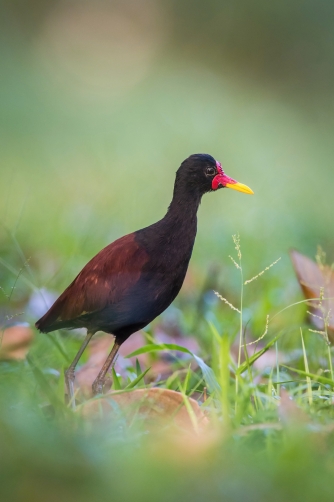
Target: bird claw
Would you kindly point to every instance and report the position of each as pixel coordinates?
(98, 387)
(69, 379)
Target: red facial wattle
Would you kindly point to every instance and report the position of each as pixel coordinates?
(221, 180)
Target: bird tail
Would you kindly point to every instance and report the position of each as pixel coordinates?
(44, 327)
(50, 321)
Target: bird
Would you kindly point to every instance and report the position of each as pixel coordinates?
(135, 278)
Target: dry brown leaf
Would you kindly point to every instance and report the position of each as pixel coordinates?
(312, 278)
(156, 406)
(15, 342)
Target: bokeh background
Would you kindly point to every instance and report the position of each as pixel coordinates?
(100, 102)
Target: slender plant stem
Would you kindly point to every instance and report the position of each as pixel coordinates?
(278, 387)
(308, 380)
(240, 328)
(330, 360)
(240, 331)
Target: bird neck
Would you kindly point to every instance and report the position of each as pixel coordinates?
(182, 211)
(174, 235)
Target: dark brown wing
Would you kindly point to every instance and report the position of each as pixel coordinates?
(312, 279)
(102, 282)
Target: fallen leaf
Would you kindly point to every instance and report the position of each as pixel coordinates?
(312, 278)
(156, 406)
(15, 342)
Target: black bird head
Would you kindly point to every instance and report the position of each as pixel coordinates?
(201, 173)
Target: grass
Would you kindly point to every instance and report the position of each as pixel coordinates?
(271, 424)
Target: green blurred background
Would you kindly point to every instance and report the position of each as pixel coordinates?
(101, 101)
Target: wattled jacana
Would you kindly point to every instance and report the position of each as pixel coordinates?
(131, 281)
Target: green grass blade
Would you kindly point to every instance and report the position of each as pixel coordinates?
(152, 347)
(214, 331)
(190, 411)
(134, 382)
(308, 380)
(317, 378)
(208, 375)
(138, 368)
(244, 366)
(60, 389)
(115, 379)
(46, 387)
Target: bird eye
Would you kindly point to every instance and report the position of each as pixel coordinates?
(210, 171)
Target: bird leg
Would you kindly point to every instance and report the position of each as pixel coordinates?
(69, 373)
(100, 380)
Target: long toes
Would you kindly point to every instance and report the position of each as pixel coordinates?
(97, 387)
(69, 375)
(69, 379)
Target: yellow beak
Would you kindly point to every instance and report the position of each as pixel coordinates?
(240, 187)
